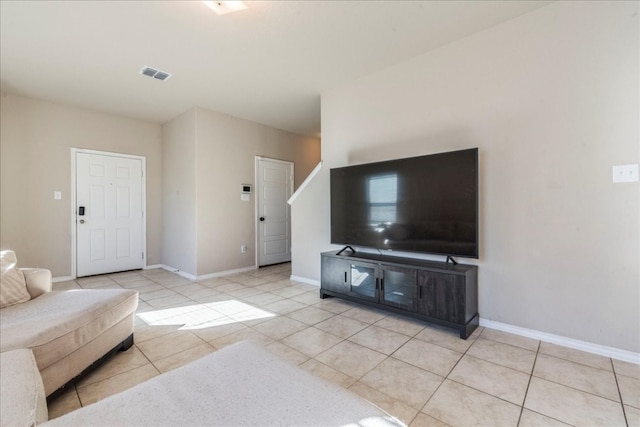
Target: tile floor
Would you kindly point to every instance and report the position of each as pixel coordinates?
(424, 375)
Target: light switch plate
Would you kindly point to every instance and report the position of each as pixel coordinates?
(57, 195)
(625, 173)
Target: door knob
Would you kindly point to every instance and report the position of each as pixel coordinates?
(82, 221)
(261, 218)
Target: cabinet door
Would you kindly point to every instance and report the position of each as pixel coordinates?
(442, 296)
(335, 275)
(363, 280)
(399, 287)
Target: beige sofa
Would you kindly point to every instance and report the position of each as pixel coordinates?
(67, 331)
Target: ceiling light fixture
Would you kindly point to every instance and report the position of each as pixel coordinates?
(156, 74)
(224, 7)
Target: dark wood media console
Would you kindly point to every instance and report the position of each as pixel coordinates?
(438, 292)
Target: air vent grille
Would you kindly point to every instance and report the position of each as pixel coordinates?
(160, 75)
(156, 74)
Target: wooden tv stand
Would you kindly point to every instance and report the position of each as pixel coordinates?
(437, 292)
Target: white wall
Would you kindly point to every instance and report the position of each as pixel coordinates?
(36, 138)
(551, 100)
(179, 226)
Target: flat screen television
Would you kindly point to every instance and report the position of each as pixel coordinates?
(426, 204)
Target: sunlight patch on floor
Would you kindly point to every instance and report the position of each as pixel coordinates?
(200, 316)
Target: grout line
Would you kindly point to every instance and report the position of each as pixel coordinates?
(429, 399)
(355, 380)
(445, 379)
(148, 360)
(558, 383)
(615, 376)
(577, 389)
(576, 362)
(510, 345)
(526, 392)
(75, 389)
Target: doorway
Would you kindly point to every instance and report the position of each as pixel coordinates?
(109, 225)
(274, 186)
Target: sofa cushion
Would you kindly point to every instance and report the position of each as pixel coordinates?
(240, 385)
(23, 401)
(13, 287)
(38, 281)
(58, 323)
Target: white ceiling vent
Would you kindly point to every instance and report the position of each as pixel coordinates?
(156, 74)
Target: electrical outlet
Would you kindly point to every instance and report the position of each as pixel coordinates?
(625, 173)
(243, 249)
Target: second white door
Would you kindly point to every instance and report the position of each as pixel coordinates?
(109, 214)
(274, 183)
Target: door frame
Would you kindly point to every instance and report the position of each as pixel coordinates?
(256, 199)
(74, 242)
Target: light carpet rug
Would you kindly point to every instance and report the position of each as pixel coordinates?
(240, 385)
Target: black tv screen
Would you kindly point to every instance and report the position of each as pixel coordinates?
(426, 204)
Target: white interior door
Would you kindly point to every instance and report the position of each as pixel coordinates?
(274, 187)
(109, 214)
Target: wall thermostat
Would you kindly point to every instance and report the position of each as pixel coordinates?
(246, 188)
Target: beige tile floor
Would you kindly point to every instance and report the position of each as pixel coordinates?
(424, 375)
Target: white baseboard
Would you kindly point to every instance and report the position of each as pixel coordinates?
(226, 272)
(305, 280)
(614, 353)
(148, 267)
(178, 272)
(181, 273)
(204, 276)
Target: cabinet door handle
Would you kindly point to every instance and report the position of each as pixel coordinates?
(420, 292)
(345, 277)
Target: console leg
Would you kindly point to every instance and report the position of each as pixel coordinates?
(471, 326)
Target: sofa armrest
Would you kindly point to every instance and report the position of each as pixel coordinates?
(38, 281)
(23, 400)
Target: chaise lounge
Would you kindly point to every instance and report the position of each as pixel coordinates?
(67, 331)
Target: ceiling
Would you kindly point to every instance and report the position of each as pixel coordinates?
(268, 64)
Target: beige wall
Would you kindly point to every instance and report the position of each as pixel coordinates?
(227, 147)
(179, 228)
(204, 230)
(36, 138)
(306, 156)
(551, 100)
(200, 178)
